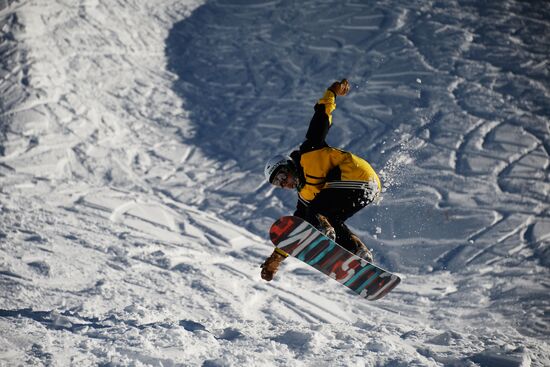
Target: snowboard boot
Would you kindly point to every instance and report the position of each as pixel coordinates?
(271, 265)
(325, 227)
(361, 249)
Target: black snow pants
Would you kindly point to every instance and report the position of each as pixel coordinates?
(337, 205)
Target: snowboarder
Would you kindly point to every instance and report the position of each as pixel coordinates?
(332, 184)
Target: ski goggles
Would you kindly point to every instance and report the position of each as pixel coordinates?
(279, 178)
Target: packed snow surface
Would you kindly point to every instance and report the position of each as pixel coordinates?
(134, 214)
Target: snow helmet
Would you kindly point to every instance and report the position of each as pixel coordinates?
(273, 166)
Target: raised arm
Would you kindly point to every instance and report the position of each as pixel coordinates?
(322, 118)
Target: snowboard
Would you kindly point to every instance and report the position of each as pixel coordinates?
(300, 239)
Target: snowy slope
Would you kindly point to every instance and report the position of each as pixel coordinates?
(134, 214)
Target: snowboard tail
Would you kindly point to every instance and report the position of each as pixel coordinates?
(300, 239)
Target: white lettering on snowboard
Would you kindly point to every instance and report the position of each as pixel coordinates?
(299, 234)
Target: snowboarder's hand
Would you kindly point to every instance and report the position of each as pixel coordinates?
(340, 88)
(325, 227)
(271, 265)
(266, 273)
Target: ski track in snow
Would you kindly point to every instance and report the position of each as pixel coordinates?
(134, 213)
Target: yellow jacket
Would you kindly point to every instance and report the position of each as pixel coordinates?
(324, 166)
(331, 167)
